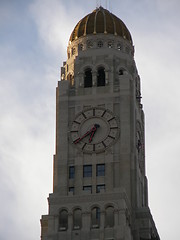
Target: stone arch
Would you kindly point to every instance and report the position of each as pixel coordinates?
(70, 77)
(88, 77)
(77, 218)
(122, 71)
(101, 77)
(63, 219)
(95, 216)
(109, 216)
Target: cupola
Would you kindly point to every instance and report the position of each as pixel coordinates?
(100, 21)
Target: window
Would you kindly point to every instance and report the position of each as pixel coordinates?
(101, 77)
(100, 187)
(71, 172)
(110, 44)
(81, 47)
(89, 44)
(87, 188)
(70, 77)
(71, 189)
(100, 44)
(77, 219)
(100, 170)
(87, 171)
(109, 217)
(121, 72)
(119, 47)
(73, 51)
(63, 220)
(95, 217)
(88, 78)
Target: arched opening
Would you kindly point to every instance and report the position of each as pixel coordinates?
(95, 217)
(101, 77)
(88, 78)
(77, 219)
(63, 220)
(121, 72)
(70, 77)
(109, 217)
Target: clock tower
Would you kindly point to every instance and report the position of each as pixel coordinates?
(100, 185)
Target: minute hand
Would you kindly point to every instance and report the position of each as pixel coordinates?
(94, 129)
(86, 134)
(92, 134)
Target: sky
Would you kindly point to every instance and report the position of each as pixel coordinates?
(33, 39)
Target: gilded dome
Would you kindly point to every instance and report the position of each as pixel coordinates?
(100, 21)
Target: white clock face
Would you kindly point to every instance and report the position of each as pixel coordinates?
(94, 130)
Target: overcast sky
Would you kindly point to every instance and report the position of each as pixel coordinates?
(33, 40)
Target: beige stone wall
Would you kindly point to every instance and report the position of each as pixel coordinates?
(125, 180)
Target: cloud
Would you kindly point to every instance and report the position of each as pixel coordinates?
(54, 23)
(166, 5)
(29, 65)
(27, 140)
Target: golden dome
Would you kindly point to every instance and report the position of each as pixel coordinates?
(100, 21)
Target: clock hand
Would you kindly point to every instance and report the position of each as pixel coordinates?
(87, 133)
(94, 129)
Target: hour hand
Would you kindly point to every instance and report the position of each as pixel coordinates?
(94, 129)
(86, 134)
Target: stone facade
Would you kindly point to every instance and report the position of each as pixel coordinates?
(99, 194)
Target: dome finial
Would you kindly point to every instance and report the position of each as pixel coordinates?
(99, 4)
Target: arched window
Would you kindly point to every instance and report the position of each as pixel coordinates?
(77, 219)
(88, 78)
(70, 77)
(121, 72)
(109, 217)
(101, 77)
(63, 220)
(95, 217)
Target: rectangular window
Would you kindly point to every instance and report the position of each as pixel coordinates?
(71, 172)
(100, 170)
(71, 189)
(87, 188)
(100, 187)
(87, 171)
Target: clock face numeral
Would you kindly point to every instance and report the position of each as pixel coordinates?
(84, 146)
(103, 113)
(84, 115)
(94, 130)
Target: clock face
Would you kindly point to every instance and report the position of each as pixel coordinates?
(94, 130)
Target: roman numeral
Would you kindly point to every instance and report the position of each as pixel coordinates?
(84, 115)
(103, 113)
(76, 122)
(113, 127)
(104, 144)
(84, 146)
(111, 119)
(111, 136)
